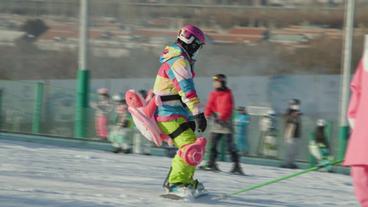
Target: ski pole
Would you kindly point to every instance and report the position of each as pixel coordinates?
(253, 187)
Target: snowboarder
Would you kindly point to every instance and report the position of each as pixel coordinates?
(120, 136)
(220, 106)
(357, 153)
(242, 120)
(175, 90)
(103, 107)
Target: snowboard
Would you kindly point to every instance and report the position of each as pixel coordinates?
(173, 196)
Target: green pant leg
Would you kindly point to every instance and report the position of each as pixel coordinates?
(181, 172)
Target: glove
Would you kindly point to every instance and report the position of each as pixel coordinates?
(192, 125)
(220, 122)
(201, 122)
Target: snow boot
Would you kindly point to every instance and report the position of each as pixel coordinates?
(237, 169)
(197, 189)
(289, 166)
(180, 191)
(294, 166)
(117, 149)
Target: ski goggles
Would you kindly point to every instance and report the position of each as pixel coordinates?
(217, 78)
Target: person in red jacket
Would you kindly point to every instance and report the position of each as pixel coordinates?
(220, 107)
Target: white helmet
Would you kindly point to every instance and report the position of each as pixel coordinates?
(321, 122)
(103, 91)
(271, 112)
(117, 98)
(295, 107)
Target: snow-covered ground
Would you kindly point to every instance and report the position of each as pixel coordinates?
(38, 175)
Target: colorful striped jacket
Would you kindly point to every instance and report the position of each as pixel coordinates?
(174, 77)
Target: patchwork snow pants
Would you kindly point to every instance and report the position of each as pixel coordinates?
(181, 172)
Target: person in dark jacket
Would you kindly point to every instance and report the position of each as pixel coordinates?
(220, 107)
(292, 134)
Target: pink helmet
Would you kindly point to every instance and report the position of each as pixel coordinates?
(103, 91)
(189, 33)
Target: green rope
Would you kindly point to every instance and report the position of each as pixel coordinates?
(253, 187)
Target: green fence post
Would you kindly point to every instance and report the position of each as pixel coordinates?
(37, 109)
(343, 139)
(81, 117)
(329, 131)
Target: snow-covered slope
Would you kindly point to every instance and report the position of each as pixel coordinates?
(33, 175)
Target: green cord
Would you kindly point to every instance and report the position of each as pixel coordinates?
(253, 187)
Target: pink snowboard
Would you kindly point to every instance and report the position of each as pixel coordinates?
(143, 117)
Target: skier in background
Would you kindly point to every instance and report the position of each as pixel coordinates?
(319, 146)
(120, 135)
(103, 107)
(269, 142)
(292, 133)
(267, 125)
(220, 106)
(242, 120)
(174, 86)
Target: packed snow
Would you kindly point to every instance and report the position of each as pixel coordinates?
(34, 175)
